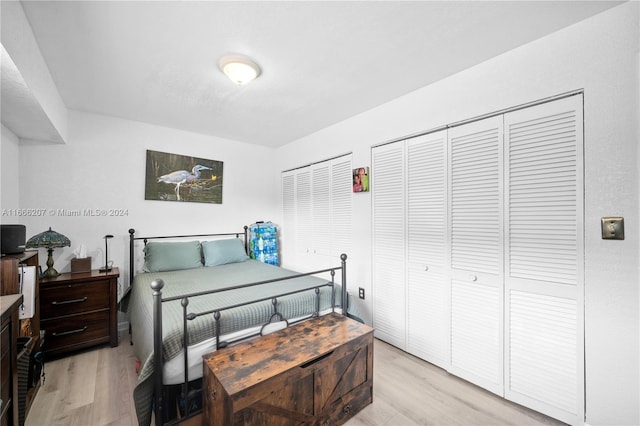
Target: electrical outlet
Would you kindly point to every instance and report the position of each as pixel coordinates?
(361, 293)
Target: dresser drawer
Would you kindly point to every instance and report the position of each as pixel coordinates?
(5, 364)
(5, 340)
(76, 331)
(74, 298)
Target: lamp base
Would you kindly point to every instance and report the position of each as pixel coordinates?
(105, 269)
(50, 273)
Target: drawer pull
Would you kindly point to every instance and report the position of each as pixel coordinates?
(66, 302)
(64, 333)
(346, 409)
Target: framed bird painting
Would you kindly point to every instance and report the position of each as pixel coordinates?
(174, 177)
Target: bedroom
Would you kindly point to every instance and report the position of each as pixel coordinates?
(101, 165)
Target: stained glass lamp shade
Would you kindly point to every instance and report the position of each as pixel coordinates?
(48, 239)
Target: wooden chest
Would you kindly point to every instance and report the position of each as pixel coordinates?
(319, 371)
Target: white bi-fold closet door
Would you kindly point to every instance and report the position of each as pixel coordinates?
(544, 258)
(317, 214)
(476, 241)
(477, 253)
(410, 284)
(388, 186)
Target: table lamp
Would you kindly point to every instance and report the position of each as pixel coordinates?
(106, 268)
(49, 239)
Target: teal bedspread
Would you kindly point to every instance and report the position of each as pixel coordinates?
(140, 310)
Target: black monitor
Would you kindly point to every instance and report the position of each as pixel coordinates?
(12, 238)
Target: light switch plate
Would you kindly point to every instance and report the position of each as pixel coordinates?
(612, 228)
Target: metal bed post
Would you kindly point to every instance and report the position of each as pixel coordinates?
(131, 268)
(185, 345)
(333, 290)
(156, 287)
(216, 316)
(345, 301)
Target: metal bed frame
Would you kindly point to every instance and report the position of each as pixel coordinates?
(158, 284)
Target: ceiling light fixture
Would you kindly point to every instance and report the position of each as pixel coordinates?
(240, 69)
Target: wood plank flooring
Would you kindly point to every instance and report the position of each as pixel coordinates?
(95, 387)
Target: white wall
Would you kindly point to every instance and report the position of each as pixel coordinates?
(599, 55)
(20, 43)
(102, 166)
(10, 194)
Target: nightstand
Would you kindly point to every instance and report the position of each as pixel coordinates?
(79, 310)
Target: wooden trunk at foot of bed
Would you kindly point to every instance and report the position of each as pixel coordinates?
(319, 371)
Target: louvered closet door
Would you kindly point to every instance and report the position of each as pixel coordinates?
(341, 208)
(320, 237)
(476, 252)
(544, 261)
(288, 250)
(303, 216)
(317, 214)
(331, 211)
(388, 215)
(427, 277)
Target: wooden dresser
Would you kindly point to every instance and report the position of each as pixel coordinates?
(79, 310)
(319, 371)
(10, 270)
(8, 358)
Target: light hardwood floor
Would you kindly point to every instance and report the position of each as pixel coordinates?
(95, 387)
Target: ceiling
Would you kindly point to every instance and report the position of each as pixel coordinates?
(322, 62)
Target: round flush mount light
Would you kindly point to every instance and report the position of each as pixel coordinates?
(240, 69)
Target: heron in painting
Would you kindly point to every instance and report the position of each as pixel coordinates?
(179, 177)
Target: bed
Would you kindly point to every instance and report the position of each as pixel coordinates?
(203, 292)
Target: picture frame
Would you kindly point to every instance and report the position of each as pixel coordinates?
(175, 177)
(360, 179)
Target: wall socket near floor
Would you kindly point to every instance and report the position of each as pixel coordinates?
(361, 292)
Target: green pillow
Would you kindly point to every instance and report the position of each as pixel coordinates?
(219, 252)
(172, 256)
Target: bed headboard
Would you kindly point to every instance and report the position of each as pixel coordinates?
(133, 239)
